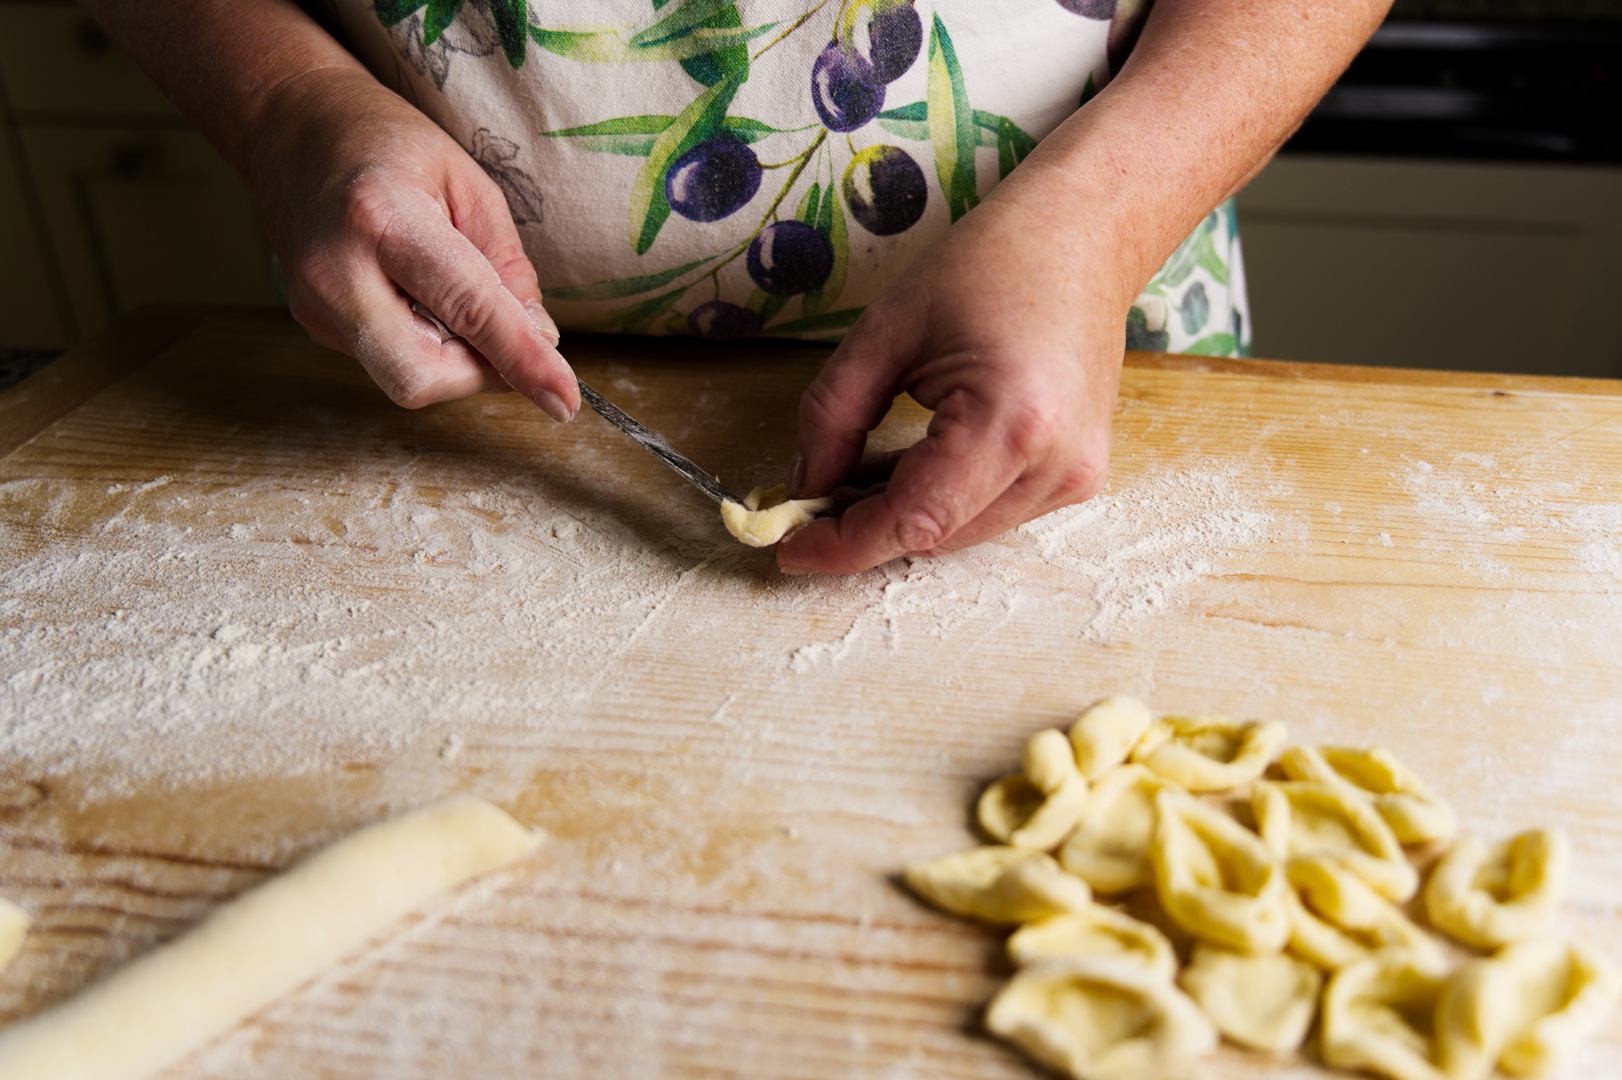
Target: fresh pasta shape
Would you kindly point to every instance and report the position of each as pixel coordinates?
(1524, 1009)
(1414, 813)
(1037, 807)
(1378, 1014)
(1098, 1018)
(1216, 879)
(1094, 931)
(1105, 734)
(1265, 1001)
(1490, 896)
(1308, 818)
(1209, 753)
(766, 515)
(998, 885)
(1338, 919)
(1109, 848)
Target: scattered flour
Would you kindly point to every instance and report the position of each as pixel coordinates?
(278, 635)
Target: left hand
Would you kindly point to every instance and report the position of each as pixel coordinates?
(1015, 341)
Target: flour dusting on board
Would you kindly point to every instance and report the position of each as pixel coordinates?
(260, 642)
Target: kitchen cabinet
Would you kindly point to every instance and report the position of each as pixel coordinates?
(1465, 266)
(126, 204)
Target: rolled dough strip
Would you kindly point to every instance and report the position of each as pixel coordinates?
(13, 928)
(263, 945)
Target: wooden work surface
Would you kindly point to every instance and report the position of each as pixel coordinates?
(246, 604)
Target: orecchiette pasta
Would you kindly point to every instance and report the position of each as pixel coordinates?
(1216, 879)
(1097, 1018)
(1209, 753)
(1308, 818)
(1415, 815)
(998, 884)
(1489, 896)
(1265, 1001)
(1094, 931)
(1106, 733)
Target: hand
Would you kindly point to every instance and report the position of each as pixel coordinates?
(371, 206)
(1014, 338)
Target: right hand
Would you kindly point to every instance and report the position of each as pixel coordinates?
(371, 206)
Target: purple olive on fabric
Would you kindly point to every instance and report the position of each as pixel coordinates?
(885, 190)
(719, 319)
(880, 39)
(844, 101)
(713, 179)
(1090, 9)
(789, 258)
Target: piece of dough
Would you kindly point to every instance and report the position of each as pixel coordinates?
(1338, 919)
(768, 514)
(263, 945)
(1097, 1018)
(1036, 808)
(1095, 931)
(13, 929)
(1525, 1008)
(1310, 818)
(998, 884)
(1109, 848)
(1379, 1014)
(1216, 879)
(1415, 815)
(1209, 753)
(1106, 733)
(1265, 1001)
(1488, 897)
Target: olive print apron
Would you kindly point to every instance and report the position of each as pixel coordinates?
(767, 166)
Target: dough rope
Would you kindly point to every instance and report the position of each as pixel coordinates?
(262, 945)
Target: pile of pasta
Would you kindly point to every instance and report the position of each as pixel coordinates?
(1267, 889)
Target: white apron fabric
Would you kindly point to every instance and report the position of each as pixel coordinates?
(766, 166)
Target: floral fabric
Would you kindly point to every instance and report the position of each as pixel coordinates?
(767, 166)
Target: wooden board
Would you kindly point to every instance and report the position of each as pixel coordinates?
(246, 605)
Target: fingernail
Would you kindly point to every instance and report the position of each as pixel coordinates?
(543, 322)
(796, 571)
(552, 405)
(796, 477)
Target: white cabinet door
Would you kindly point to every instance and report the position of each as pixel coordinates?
(1481, 267)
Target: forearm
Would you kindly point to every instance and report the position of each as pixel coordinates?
(226, 63)
(1212, 89)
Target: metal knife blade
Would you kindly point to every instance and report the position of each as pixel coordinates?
(656, 446)
(617, 416)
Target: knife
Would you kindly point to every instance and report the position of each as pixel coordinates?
(656, 446)
(617, 416)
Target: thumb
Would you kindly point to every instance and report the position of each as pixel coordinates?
(849, 398)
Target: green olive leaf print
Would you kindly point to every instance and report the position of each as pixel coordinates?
(684, 19)
(633, 136)
(694, 124)
(766, 305)
(832, 322)
(951, 124)
(711, 67)
(830, 222)
(614, 288)
(441, 13)
(1212, 345)
(511, 18)
(637, 318)
(391, 12)
(611, 47)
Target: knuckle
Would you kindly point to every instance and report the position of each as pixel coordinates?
(821, 409)
(920, 531)
(470, 311)
(1040, 424)
(368, 210)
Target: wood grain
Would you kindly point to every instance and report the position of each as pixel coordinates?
(734, 784)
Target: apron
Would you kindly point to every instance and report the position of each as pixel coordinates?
(767, 167)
